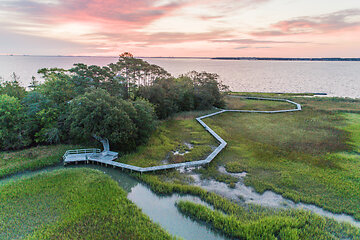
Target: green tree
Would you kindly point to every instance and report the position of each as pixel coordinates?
(136, 72)
(145, 120)
(58, 86)
(163, 94)
(33, 104)
(12, 88)
(11, 134)
(97, 112)
(50, 131)
(84, 76)
(208, 89)
(126, 124)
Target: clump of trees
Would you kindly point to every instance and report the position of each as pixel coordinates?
(121, 101)
(191, 91)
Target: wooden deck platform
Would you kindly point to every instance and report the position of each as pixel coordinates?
(107, 157)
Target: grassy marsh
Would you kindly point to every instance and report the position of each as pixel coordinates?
(276, 225)
(251, 221)
(32, 158)
(306, 156)
(310, 156)
(236, 103)
(173, 135)
(72, 204)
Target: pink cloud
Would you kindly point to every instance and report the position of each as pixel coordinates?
(332, 22)
(131, 12)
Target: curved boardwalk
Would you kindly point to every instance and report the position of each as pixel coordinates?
(107, 157)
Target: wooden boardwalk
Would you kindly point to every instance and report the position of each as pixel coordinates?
(107, 157)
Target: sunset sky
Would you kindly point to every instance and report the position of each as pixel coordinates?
(194, 28)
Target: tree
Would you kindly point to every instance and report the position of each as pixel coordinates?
(98, 113)
(126, 54)
(137, 72)
(208, 90)
(33, 104)
(58, 86)
(163, 94)
(12, 88)
(11, 136)
(84, 76)
(191, 91)
(126, 124)
(145, 120)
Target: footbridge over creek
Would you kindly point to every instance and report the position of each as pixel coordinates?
(107, 157)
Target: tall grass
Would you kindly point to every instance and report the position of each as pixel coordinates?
(252, 221)
(294, 225)
(172, 135)
(72, 204)
(233, 102)
(32, 158)
(306, 156)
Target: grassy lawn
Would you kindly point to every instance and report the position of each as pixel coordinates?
(32, 158)
(72, 204)
(182, 133)
(310, 156)
(234, 102)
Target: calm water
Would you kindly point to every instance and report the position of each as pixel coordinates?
(335, 78)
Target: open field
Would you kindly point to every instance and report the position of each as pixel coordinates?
(32, 158)
(72, 204)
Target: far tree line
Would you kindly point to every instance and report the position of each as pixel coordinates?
(122, 102)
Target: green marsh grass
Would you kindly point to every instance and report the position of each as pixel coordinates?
(32, 158)
(250, 221)
(173, 135)
(283, 225)
(233, 102)
(72, 204)
(306, 156)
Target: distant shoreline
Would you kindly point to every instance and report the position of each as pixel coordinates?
(289, 59)
(214, 58)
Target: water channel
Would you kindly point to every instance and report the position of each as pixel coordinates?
(163, 210)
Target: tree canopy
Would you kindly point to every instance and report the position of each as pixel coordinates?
(120, 101)
(10, 122)
(124, 123)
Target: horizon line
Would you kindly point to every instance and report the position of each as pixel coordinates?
(183, 57)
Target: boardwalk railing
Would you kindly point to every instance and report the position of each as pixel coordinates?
(81, 151)
(207, 160)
